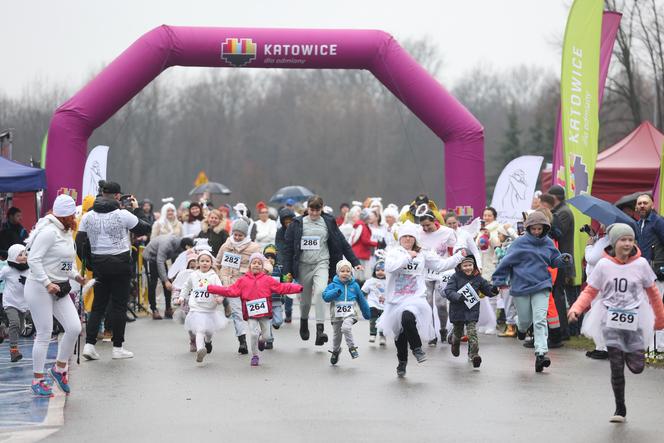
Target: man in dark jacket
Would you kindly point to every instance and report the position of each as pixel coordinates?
(650, 233)
(156, 254)
(104, 233)
(286, 216)
(564, 291)
(12, 232)
(313, 246)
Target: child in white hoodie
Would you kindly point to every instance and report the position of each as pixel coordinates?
(13, 299)
(203, 319)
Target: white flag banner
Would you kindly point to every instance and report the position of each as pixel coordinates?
(516, 187)
(95, 170)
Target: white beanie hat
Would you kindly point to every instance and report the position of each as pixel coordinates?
(391, 211)
(409, 228)
(14, 251)
(64, 206)
(342, 263)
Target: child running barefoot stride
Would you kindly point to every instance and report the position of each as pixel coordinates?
(203, 319)
(342, 294)
(255, 289)
(622, 318)
(463, 291)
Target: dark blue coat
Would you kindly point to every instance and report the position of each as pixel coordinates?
(458, 309)
(650, 232)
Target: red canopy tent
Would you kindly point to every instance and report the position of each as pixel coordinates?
(629, 166)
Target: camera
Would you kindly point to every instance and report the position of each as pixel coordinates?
(520, 227)
(588, 230)
(126, 201)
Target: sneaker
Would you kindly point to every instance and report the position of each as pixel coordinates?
(620, 415)
(420, 355)
(15, 355)
(200, 355)
(353, 352)
(156, 315)
(107, 337)
(401, 368)
(269, 344)
(529, 343)
(168, 313)
(192, 345)
(372, 339)
(617, 419)
(520, 335)
(61, 379)
(477, 361)
(41, 389)
(433, 342)
(89, 352)
(254, 360)
(242, 349)
(288, 319)
(455, 348)
(261, 343)
(208, 347)
(382, 341)
(121, 353)
(542, 361)
(335, 356)
(597, 354)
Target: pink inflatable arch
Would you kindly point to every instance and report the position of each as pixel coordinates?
(165, 46)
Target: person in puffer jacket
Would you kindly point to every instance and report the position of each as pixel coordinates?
(342, 294)
(464, 290)
(255, 289)
(526, 267)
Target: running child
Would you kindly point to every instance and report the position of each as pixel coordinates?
(255, 289)
(342, 294)
(270, 253)
(622, 319)
(374, 288)
(203, 319)
(464, 290)
(13, 299)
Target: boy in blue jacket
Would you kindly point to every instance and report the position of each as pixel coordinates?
(464, 290)
(342, 294)
(526, 267)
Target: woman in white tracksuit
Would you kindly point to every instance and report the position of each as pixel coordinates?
(52, 262)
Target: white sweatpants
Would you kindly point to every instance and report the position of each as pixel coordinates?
(43, 307)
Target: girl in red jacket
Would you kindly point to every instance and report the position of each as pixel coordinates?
(255, 289)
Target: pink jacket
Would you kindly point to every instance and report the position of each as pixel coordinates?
(252, 287)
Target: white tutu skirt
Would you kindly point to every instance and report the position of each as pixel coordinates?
(390, 320)
(594, 326)
(204, 322)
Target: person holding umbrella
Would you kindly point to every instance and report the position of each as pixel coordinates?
(313, 246)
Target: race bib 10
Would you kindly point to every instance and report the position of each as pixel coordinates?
(470, 297)
(257, 307)
(310, 243)
(622, 319)
(343, 308)
(230, 260)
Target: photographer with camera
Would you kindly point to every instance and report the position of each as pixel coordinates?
(103, 243)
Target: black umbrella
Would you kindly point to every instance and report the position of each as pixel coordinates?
(600, 210)
(297, 193)
(629, 200)
(210, 188)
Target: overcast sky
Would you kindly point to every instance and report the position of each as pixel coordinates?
(65, 41)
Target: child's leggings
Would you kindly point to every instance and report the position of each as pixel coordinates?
(343, 327)
(43, 307)
(375, 315)
(259, 326)
(201, 338)
(635, 362)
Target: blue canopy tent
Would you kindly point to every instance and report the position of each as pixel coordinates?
(15, 177)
